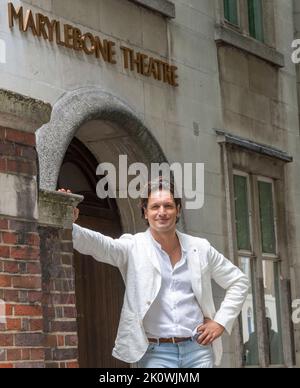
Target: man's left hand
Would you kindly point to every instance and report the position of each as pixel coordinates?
(209, 332)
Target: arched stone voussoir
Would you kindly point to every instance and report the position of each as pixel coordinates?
(74, 109)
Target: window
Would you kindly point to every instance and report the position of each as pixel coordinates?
(231, 11)
(255, 187)
(247, 15)
(255, 195)
(242, 212)
(255, 18)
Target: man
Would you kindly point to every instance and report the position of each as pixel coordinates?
(168, 319)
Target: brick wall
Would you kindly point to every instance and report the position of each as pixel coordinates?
(21, 330)
(37, 290)
(58, 279)
(59, 311)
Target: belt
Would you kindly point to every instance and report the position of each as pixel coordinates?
(173, 340)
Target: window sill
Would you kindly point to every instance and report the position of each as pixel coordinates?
(164, 7)
(225, 35)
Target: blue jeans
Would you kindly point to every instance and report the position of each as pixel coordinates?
(187, 354)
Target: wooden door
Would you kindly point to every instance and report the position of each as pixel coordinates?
(99, 287)
(99, 298)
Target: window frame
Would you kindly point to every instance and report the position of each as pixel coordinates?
(242, 252)
(262, 20)
(236, 158)
(235, 26)
(268, 18)
(271, 256)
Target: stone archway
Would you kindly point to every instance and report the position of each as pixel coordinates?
(78, 108)
(107, 127)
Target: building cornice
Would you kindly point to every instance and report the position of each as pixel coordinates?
(164, 7)
(227, 138)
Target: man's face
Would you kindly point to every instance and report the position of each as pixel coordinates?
(161, 211)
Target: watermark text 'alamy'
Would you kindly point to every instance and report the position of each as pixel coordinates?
(116, 183)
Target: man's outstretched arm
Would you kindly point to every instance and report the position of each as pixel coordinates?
(103, 248)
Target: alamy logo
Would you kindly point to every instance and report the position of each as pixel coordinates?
(296, 52)
(296, 312)
(2, 312)
(188, 180)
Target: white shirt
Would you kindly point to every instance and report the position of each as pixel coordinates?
(175, 312)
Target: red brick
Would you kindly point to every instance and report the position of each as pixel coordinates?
(6, 340)
(64, 326)
(60, 340)
(34, 296)
(5, 281)
(3, 224)
(20, 226)
(9, 238)
(19, 151)
(8, 149)
(71, 340)
(37, 354)
(27, 282)
(14, 354)
(6, 365)
(4, 251)
(13, 324)
(27, 152)
(11, 295)
(22, 310)
(2, 355)
(70, 312)
(29, 339)
(21, 167)
(65, 354)
(2, 133)
(36, 324)
(66, 235)
(65, 299)
(25, 354)
(72, 365)
(8, 309)
(34, 268)
(51, 341)
(20, 137)
(20, 238)
(31, 253)
(33, 239)
(11, 267)
(3, 165)
(30, 365)
(52, 365)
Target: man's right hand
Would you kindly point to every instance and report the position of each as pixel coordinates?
(75, 209)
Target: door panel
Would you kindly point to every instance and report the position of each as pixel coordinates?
(99, 287)
(99, 298)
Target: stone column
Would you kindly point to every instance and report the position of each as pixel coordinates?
(21, 321)
(58, 282)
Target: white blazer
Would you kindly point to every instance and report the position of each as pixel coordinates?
(137, 260)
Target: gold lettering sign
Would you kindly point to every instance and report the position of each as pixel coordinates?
(73, 38)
